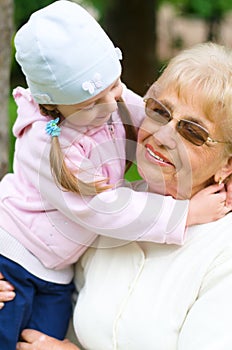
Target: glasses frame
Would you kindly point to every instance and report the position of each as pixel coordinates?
(178, 128)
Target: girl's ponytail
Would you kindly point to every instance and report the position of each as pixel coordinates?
(63, 176)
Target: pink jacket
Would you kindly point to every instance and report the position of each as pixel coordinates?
(57, 226)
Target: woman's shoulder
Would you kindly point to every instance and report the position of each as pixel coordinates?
(222, 225)
(216, 233)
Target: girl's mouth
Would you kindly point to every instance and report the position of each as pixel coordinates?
(157, 157)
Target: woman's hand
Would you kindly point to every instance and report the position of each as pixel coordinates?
(6, 291)
(34, 340)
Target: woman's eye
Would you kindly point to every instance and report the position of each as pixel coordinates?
(160, 115)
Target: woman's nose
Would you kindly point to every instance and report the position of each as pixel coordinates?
(166, 135)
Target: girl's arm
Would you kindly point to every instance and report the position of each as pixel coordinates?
(34, 340)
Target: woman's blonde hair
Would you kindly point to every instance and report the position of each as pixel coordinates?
(202, 75)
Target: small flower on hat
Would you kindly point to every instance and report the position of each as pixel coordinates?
(91, 85)
(42, 98)
(52, 128)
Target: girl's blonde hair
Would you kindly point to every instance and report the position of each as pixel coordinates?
(202, 75)
(62, 174)
(64, 177)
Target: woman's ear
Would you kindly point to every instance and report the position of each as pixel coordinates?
(224, 172)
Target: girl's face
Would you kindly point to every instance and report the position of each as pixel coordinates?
(171, 164)
(95, 111)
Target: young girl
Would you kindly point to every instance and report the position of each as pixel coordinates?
(69, 163)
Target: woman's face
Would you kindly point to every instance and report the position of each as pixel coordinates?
(168, 162)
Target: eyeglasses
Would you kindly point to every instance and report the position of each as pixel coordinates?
(188, 129)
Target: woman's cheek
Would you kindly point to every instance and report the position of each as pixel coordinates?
(142, 134)
(147, 129)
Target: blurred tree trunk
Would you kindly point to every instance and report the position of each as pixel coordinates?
(214, 25)
(6, 30)
(132, 26)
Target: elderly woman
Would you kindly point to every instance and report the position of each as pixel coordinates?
(150, 296)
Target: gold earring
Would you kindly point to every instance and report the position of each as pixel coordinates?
(220, 180)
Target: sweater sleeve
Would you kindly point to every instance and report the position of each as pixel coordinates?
(208, 323)
(139, 216)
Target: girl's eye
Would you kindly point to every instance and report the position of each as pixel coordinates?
(89, 107)
(117, 84)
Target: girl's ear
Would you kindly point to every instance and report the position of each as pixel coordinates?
(224, 172)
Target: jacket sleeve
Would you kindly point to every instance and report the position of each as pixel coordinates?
(208, 323)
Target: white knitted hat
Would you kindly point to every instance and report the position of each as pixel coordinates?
(65, 55)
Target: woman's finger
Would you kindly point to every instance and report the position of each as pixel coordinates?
(23, 346)
(35, 340)
(31, 335)
(5, 285)
(6, 291)
(6, 296)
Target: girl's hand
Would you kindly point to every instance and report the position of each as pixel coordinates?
(34, 340)
(6, 291)
(229, 192)
(208, 205)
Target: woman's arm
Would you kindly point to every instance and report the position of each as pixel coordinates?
(208, 323)
(34, 340)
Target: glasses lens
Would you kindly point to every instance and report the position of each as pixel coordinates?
(157, 112)
(192, 132)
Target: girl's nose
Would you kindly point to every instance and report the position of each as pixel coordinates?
(113, 95)
(109, 98)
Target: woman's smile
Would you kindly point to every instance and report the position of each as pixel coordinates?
(156, 157)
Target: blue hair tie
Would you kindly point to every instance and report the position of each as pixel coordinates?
(52, 128)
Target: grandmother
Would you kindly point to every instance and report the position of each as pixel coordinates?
(163, 297)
